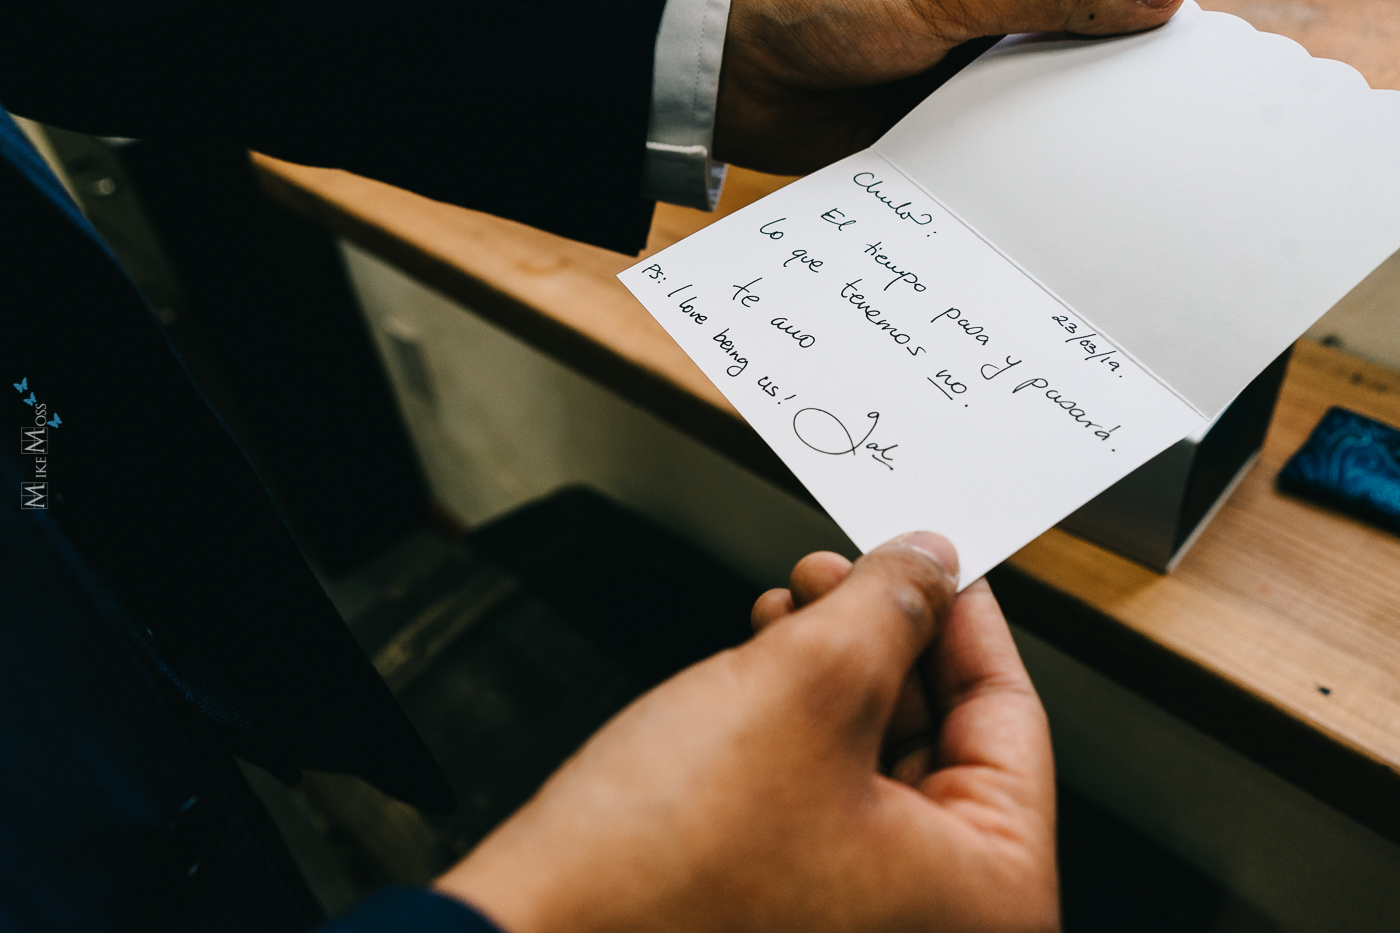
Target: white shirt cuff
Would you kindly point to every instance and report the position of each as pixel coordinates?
(685, 85)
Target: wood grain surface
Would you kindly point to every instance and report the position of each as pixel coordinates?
(1279, 633)
(1363, 33)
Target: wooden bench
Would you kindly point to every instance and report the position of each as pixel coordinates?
(1279, 634)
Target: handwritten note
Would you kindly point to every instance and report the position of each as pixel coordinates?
(907, 372)
(914, 372)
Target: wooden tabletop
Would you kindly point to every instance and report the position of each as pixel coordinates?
(1279, 633)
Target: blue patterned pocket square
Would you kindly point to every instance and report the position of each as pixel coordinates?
(1351, 463)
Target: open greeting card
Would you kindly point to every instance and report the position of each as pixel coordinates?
(1072, 255)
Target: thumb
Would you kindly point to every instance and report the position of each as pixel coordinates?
(854, 647)
(1088, 17)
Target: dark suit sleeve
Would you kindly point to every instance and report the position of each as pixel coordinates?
(535, 111)
(411, 910)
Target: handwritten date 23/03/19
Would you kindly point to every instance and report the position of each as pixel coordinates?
(1088, 343)
(823, 432)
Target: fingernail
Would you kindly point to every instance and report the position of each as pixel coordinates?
(935, 546)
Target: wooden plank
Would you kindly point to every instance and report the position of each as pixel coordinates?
(1282, 626)
(558, 295)
(1279, 633)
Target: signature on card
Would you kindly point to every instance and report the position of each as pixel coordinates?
(825, 433)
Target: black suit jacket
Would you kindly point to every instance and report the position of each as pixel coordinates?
(534, 111)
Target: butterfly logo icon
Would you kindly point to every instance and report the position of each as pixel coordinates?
(56, 421)
(30, 400)
(22, 385)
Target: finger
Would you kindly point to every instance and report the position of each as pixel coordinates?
(856, 646)
(992, 719)
(816, 575)
(914, 762)
(770, 607)
(812, 578)
(1087, 17)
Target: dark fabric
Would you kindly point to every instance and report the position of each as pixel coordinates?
(311, 407)
(109, 819)
(411, 910)
(153, 492)
(1351, 463)
(535, 111)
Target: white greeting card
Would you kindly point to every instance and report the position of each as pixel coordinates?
(1069, 257)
